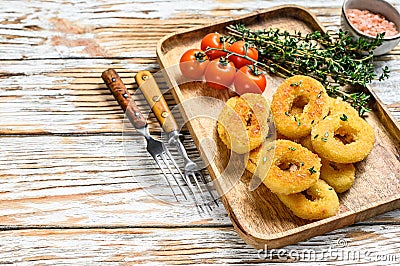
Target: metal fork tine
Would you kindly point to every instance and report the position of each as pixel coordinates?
(193, 193)
(175, 165)
(204, 198)
(172, 173)
(184, 177)
(165, 176)
(203, 179)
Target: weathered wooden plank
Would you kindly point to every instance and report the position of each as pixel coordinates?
(53, 96)
(89, 180)
(375, 245)
(94, 181)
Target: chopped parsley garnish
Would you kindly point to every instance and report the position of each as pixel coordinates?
(343, 117)
(297, 120)
(312, 170)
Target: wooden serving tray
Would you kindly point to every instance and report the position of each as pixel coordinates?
(258, 216)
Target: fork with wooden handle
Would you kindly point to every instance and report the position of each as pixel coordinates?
(156, 148)
(155, 98)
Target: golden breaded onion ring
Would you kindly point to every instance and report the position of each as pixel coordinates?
(338, 106)
(254, 159)
(243, 122)
(340, 176)
(291, 119)
(317, 202)
(293, 167)
(343, 140)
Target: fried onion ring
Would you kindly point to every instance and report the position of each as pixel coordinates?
(298, 103)
(243, 123)
(340, 176)
(338, 106)
(317, 202)
(253, 159)
(293, 168)
(342, 140)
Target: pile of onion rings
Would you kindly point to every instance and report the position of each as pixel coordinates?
(331, 135)
(336, 134)
(318, 140)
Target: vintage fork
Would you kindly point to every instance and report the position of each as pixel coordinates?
(156, 100)
(156, 148)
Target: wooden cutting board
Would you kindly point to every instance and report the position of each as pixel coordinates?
(258, 216)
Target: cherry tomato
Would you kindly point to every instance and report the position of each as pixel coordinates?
(193, 63)
(249, 80)
(213, 40)
(220, 73)
(239, 47)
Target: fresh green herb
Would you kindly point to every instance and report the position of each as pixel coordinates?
(330, 188)
(287, 113)
(296, 84)
(359, 100)
(312, 170)
(319, 94)
(297, 120)
(301, 164)
(333, 59)
(326, 134)
(292, 148)
(316, 136)
(324, 139)
(343, 117)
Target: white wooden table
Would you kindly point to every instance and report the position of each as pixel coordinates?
(67, 195)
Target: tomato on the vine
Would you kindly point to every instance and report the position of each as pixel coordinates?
(220, 73)
(213, 40)
(242, 48)
(249, 80)
(193, 63)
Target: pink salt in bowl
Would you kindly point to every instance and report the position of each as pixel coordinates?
(379, 7)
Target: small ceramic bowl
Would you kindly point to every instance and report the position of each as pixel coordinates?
(379, 7)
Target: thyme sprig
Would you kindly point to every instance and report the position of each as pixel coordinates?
(334, 60)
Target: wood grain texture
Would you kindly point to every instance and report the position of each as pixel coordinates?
(375, 245)
(87, 181)
(60, 131)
